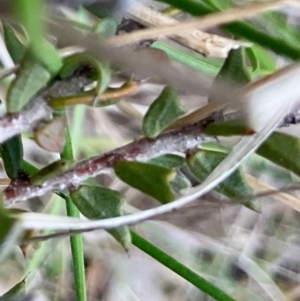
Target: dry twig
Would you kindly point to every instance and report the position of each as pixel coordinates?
(285, 198)
(208, 44)
(219, 18)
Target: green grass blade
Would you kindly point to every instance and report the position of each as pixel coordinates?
(169, 262)
(249, 32)
(77, 255)
(210, 66)
(75, 240)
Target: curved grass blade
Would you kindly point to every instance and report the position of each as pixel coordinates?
(100, 71)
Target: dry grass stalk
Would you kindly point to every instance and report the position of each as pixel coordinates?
(207, 44)
(285, 198)
(230, 15)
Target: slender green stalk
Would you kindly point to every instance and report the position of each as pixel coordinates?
(67, 152)
(177, 267)
(77, 255)
(75, 240)
(76, 127)
(241, 29)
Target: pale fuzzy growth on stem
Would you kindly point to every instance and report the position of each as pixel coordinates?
(27, 119)
(141, 149)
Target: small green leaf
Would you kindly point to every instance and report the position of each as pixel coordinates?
(17, 290)
(12, 155)
(107, 27)
(180, 181)
(203, 162)
(31, 78)
(97, 202)
(172, 161)
(162, 112)
(234, 70)
(228, 128)
(150, 179)
(282, 149)
(168, 161)
(50, 171)
(13, 44)
(233, 73)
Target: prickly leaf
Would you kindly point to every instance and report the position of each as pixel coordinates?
(172, 161)
(168, 161)
(234, 71)
(203, 162)
(96, 202)
(162, 112)
(148, 178)
(31, 78)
